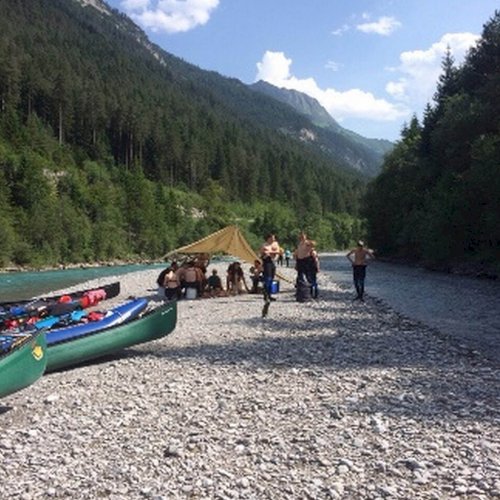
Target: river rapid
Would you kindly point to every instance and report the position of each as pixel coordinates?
(466, 309)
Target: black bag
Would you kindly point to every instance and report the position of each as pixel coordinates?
(161, 277)
(303, 291)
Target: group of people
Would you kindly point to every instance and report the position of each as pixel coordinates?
(307, 265)
(176, 281)
(190, 280)
(284, 257)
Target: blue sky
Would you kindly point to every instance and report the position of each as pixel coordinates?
(371, 63)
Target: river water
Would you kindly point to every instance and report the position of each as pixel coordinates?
(22, 285)
(467, 309)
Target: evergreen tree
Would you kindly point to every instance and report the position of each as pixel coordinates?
(438, 194)
(109, 150)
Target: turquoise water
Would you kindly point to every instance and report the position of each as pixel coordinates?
(23, 285)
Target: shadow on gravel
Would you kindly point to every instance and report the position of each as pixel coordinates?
(441, 388)
(341, 350)
(418, 378)
(443, 396)
(392, 366)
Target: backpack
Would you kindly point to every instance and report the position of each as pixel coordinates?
(161, 277)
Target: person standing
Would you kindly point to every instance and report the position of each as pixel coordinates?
(269, 250)
(303, 258)
(314, 271)
(288, 256)
(281, 256)
(359, 258)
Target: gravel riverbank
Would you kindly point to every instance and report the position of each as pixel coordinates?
(330, 399)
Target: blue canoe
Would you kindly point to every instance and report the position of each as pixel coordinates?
(120, 314)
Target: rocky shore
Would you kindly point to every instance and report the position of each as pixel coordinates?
(328, 399)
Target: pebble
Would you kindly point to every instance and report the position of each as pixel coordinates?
(324, 399)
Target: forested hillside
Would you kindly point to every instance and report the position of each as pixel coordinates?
(111, 148)
(438, 198)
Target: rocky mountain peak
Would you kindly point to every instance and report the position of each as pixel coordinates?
(97, 4)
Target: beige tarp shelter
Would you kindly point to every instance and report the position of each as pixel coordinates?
(228, 240)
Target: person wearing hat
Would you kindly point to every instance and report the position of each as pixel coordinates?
(359, 258)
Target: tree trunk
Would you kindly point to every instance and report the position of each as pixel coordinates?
(60, 125)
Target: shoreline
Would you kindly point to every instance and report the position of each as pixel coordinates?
(465, 269)
(64, 267)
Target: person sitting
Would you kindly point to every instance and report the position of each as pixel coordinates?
(201, 277)
(256, 276)
(236, 279)
(201, 261)
(171, 284)
(192, 278)
(160, 281)
(180, 273)
(214, 285)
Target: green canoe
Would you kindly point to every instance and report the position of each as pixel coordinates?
(23, 364)
(152, 325)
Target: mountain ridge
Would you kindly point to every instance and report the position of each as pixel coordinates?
(362, 153)
(349, 149)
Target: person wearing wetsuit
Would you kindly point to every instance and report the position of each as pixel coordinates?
(269, 250)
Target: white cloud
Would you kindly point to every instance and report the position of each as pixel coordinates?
(412, 86)
(421, 68)
(171, 16)
(275, 66)
(397, 90)
(354, 103)
(332, 65)
(135, 4)
(384, 26)
(340, 31)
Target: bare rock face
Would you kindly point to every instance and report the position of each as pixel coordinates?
(97, 4)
